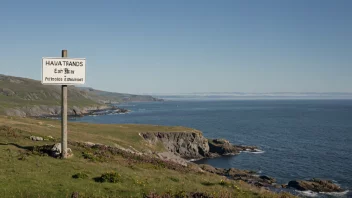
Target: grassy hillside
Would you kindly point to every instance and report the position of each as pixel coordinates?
(25, 173)
(20, 92)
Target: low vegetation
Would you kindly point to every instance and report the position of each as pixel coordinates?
(101, 171)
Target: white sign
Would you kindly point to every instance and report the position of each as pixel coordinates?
(63, 71)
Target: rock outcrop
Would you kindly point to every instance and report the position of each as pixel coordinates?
(316, 185)
(193, 145)
(243, 175)
(188, 145)
(224, 147)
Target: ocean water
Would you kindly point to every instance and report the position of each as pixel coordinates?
(301, 139)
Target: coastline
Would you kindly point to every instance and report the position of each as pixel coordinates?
(193, 147)
(250, 177)
(172, 145)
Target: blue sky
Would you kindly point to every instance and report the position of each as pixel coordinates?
(186, 46)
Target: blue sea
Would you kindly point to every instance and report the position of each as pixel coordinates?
(301, 139)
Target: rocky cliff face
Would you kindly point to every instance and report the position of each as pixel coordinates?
(193, 145)
(188, 145)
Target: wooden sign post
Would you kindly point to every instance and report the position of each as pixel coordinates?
(63, 71)
(64, 115)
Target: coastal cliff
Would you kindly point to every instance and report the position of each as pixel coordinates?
(188, 145)
(193, 145)
(182, 146)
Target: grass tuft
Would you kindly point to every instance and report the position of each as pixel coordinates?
(80, 175)
(174, 179)
(207, 183)
(111, 177)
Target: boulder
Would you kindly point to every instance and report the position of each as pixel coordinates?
(316, 185)
(56, 150)
(36, 138)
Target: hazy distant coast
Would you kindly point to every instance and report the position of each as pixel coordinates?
(256, 96)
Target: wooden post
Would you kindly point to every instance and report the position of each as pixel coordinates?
(64, 116)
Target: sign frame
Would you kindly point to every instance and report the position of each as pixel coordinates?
(63, 83)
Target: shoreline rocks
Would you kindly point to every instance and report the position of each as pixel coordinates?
(243, 175)
(315, 185)
(193, 145)
(111, 110)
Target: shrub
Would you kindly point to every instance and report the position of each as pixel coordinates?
(95, 156)
(80, 176)
(207, 183)
(88, 155)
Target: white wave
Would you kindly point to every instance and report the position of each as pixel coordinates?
(336, 194)
(308, 193)
(256, 151)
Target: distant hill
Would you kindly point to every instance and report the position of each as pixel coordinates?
(113, 97)
(28, 97)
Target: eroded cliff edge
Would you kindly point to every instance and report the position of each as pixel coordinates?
(188, 145)
(193, 145)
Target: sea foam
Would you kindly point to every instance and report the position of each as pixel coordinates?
(256, 151)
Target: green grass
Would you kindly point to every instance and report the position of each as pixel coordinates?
(24, 173)
(125, 135)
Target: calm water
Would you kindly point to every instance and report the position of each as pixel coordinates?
(301, 139)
